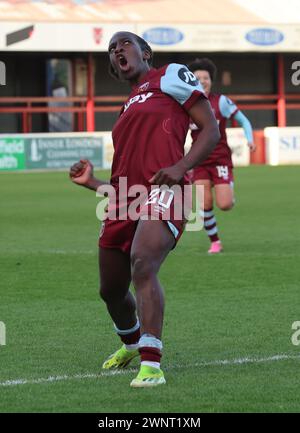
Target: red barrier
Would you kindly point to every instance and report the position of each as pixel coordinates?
(85, 108)
(259, 156)
(90, 116)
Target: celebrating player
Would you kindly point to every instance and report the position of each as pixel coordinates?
(148, 140)
(217, 170)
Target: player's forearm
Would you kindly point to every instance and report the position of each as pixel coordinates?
(244, 122)
(202, 147)
(94, 183)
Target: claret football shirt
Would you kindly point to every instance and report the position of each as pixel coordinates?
(151, 130)
(224, 109)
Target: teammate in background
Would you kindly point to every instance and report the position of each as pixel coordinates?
(148, 140)
(217, 170)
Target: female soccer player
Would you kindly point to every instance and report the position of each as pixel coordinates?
(148, 140)
(217, 170)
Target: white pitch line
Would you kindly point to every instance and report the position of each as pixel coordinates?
(50, 379)
(246, 360)
(218, 362)
(66, 252)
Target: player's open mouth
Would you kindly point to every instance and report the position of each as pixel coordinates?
(123, 64)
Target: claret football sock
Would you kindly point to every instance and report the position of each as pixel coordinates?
(210, 224)
(150, 373)
(150, 349)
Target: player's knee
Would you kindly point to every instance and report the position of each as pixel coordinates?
(225, 206)
(141, 268)
(105, 294)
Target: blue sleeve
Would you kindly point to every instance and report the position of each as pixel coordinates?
(245, 124)
(227, 107)
(180, 83)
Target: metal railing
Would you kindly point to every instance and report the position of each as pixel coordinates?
(85, 108)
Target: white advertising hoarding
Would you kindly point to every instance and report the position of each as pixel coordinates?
(237, 143)
(108, 150)
(282, 145)
(236, 140)
(239, 147)
(218, 37)
(78, 36)
(26, 36)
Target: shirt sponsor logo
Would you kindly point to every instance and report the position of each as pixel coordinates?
(264, 36)
(163, 36)
(187, 77)
(138, 98)
(229, 101)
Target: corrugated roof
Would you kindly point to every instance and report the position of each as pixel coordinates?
(134, 11)
(169, 25)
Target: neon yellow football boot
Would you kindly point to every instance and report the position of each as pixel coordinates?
(120, 359)
(148, 376)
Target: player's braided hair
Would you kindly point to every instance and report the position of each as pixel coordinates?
(144, 47)
(204, 64)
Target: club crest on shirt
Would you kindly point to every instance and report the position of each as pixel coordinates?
(144, 87)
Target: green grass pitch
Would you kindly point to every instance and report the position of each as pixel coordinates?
(237, 307)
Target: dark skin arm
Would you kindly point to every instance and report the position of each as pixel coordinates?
(202, 115)
(82, 173)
